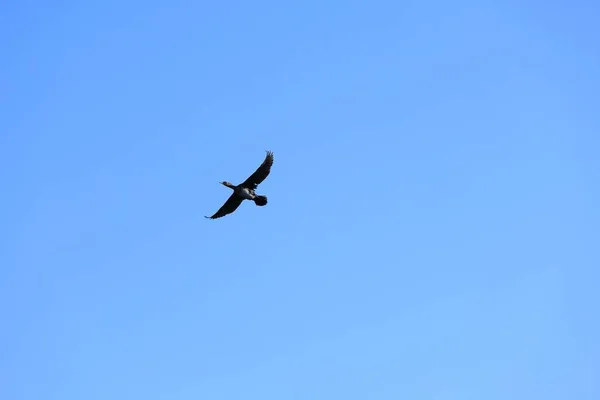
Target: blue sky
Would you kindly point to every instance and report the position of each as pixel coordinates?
(432, 227)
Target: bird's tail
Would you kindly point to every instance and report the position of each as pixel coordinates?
(260, 200)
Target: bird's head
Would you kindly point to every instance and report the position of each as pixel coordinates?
(225, 183)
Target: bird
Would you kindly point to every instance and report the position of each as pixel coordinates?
(246, 190)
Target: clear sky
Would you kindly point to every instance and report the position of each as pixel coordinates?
(433, 222)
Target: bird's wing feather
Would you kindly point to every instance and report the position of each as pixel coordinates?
(261, 173)
(232, 203)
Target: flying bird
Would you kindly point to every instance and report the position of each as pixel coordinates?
(246, 190)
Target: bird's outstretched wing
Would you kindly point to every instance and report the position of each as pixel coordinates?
(232, 203)
(261, 173)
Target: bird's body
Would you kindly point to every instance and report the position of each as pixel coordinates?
(246, 193)
(247, 189)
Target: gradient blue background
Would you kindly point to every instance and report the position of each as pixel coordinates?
(432, 231)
